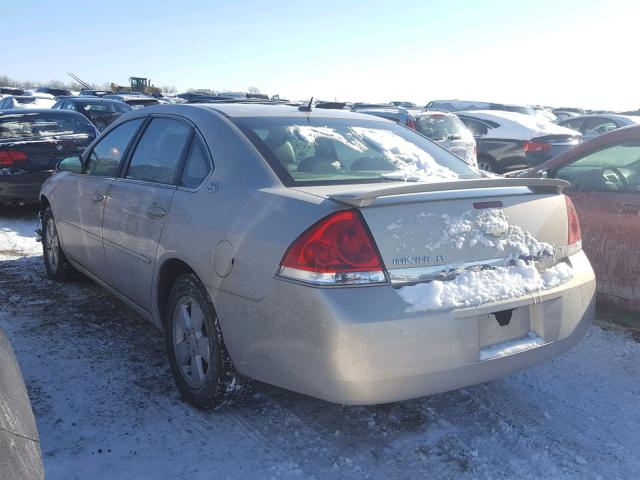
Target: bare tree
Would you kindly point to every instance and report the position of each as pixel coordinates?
(253, 90)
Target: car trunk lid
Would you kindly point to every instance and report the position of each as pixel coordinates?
(432, 231)
(45, 153)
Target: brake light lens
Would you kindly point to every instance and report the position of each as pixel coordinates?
(8, 158)
(411, 123)
(534, 146)
(574, 239)
(337, 250)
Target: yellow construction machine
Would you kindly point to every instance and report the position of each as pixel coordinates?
(138, 84)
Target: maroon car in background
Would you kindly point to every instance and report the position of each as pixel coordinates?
(605, 188)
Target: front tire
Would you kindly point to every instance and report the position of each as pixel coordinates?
(200, 363)
(55, 262)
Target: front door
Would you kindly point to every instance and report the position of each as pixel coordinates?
(606, 193)
(138, 205)
(81, 198)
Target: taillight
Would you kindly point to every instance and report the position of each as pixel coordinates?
(534, 146)
(574, 237)
(337, 250)
(8, 158)
(411, 123)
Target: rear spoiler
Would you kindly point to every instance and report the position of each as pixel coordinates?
(366, 199)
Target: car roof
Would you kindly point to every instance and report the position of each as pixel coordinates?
(261, 110)
(88, 99)
(31, 111)
(631, 118)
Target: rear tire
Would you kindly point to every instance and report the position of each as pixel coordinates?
(55, 262)
(200, 363)
(488, 165)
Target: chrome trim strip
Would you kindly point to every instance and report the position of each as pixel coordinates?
(401, 276)
(350, 278)
(117, 246)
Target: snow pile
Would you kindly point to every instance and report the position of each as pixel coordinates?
(518, 125)
(511, 346)
(413, 163)
(489, 228)
(18, 238)
(473, 288)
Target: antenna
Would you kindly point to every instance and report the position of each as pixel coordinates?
(306, 108)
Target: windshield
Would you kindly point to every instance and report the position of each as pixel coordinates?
(322, 151)
(441, 127)
(42, 125)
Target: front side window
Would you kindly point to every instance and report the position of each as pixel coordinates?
(160, 150)
(305, 151)
(107, 155)
(612, 169)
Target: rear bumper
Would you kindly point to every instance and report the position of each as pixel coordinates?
(359, 346)
(22, 188)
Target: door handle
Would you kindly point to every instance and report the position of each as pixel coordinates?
(156, 211)
(98, 197)
(629, 208)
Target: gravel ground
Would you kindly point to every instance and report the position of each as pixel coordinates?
(106, 406)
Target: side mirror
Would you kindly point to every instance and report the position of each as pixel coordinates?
(70, 164)
(544, 174)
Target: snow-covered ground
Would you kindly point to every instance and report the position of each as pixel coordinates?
(106, 406)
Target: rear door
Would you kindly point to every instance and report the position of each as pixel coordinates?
(138, 204)
(80, 198)
(606, 193)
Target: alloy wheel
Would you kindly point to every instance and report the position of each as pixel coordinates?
(191, 341)
(52, 244)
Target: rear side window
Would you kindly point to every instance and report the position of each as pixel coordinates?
(197, 166)
(107, 155)
(478, 129)
(158, 156)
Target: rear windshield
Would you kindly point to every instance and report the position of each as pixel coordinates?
(103, 107)
(42, 125)
(441, 127)
(324, 151)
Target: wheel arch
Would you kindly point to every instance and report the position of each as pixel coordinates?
(168, 273)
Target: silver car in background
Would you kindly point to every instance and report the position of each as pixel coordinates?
(335, 254)
(444, 128)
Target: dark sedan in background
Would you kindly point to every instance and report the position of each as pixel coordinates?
(509, 141)
(102, 112)
(592, 126)
(605, 189)
(32, 142)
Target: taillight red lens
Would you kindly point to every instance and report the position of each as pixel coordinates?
(10, 157)
(534, 146)
(411, 123)
(335, 250)
(575, 235)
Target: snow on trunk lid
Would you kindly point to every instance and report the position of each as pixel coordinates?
(468, 253)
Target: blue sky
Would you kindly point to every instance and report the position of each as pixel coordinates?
(560, 52)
